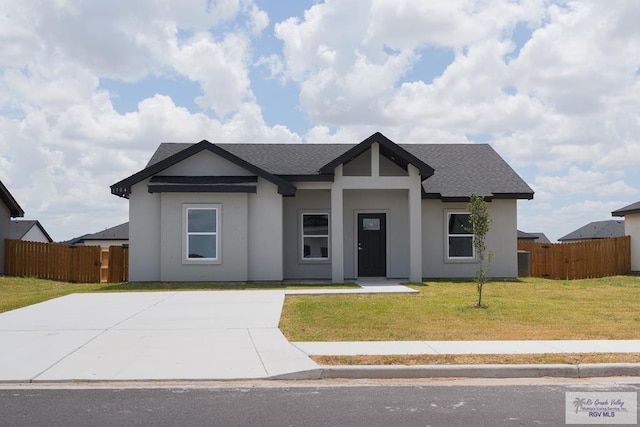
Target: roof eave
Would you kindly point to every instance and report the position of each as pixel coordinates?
(123, 188)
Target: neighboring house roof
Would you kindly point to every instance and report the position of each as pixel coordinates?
(19, 228)
(633, 208)
(596, 230)
(533, 237)
(119, 232)
(451, 172)
(14, 208)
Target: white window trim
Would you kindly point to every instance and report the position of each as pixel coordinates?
(301, 256)
(185, 233)
(450, 259)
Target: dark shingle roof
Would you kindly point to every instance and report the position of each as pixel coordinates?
(633, 208)
(596, 230)
(119, 232)
(21, 227)
(460, 169)
(14, 208)
(534, 237)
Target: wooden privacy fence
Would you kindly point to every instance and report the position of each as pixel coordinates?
(579, 260)
(53, 261)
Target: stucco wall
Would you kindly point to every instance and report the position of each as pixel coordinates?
(265, 233)
(395, 204)
(233, 227)
(205, 163)
(501, 240)
(5, 225)
(35, 235)
(144, 234)
(632, 228)
(304, 201)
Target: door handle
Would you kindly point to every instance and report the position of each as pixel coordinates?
(359, 247)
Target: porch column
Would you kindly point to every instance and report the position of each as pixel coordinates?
(415, 228)
(337, 228)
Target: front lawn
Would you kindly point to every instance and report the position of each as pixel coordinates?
(526, 309)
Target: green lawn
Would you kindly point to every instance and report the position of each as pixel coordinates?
(16, 292)
(526, 309)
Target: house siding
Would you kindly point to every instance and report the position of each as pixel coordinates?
(265, 233)
(632, 229)
(501, 241)
(232, 232)
(35, 235)
(5, 230)
(395, 205)
(205, 163)
(294, 267)
(144, 234)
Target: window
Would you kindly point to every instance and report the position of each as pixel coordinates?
(459, 238)
(202, 241)
(315, 236)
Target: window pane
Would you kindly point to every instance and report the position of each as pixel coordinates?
(461, 247)
(202, 246)
(316, 247)
(371, 224)
(315, 224)
(459, 224)
(201, 220)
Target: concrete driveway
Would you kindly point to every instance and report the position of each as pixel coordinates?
(149, 336)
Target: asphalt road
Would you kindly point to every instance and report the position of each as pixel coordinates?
(337, 403)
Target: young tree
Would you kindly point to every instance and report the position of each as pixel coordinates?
(479, 225)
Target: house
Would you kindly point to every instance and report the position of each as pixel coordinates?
(114, 236)
(631, 214)
(532, 237)
(261, 212)
(596, 230)
(29, 230)
(9, 208)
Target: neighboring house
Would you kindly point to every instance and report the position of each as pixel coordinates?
(596, 230)
(29, 230)
(631, 216)
(114, 236)
(533, 237)
(259, 212)
(9, 208)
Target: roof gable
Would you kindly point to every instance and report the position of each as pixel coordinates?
(123, 188)
(388, 148)
(19, 228)
(14, 208)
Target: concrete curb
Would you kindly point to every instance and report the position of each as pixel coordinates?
(465, 371)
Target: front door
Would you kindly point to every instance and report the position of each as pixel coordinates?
(372, 245)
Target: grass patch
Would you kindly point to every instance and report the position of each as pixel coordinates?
(16, 292)
(527, 309)
(481, 359)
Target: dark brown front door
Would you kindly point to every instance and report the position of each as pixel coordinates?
(372, 245)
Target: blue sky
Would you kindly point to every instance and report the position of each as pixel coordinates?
(88, 89)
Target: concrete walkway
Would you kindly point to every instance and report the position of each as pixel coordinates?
(221, 335)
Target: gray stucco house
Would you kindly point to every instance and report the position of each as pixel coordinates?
(263, 212)
(9, 208)
(29, 230)
(631, 215)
